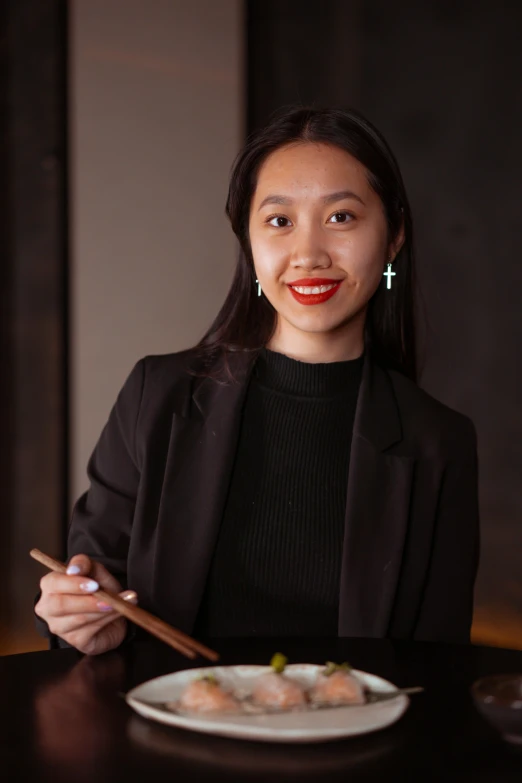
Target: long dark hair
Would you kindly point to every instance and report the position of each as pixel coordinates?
(246, 322)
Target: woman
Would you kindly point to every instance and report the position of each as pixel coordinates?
(287, 476)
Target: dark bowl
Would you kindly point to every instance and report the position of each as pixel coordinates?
(499, 700)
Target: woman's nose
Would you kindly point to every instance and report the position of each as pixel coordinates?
(309, 253)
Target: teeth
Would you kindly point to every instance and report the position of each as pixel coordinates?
(316, 289)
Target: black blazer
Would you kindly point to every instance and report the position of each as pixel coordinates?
(160, 472)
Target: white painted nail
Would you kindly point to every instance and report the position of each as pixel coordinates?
(90, 587)
(73, 569)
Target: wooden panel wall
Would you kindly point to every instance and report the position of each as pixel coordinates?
(33, 309)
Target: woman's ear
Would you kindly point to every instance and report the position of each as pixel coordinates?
(396, 244)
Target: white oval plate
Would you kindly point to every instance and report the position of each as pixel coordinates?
(309, 726)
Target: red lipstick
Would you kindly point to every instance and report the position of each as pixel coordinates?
(314, 299)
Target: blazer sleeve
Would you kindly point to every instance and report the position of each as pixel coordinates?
(446, 611)
(102, 518)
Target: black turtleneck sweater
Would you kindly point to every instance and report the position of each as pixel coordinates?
(277, 563)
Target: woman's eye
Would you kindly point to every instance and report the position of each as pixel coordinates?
(341, 217)
(280, 221)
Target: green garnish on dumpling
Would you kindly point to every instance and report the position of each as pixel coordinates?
(278, 663)
(332, 667)
(210, 678)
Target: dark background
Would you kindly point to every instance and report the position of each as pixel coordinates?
(33, 301)
(441, 80)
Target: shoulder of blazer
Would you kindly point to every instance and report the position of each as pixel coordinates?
(174, 381)
(164, 371)
(427, 422)
(170, 378)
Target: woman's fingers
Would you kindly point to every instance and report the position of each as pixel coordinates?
(93, 576)
(72, 609)
(81, 565)
(65, 604)
(90, 613)
(63, 595)
(69, 601)
(69, 623)
(128, 595)
(99, 637)
(105, 579)
(55, 583)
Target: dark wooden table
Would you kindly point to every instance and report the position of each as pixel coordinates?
(62, 719)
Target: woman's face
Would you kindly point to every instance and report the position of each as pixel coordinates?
(319, 240)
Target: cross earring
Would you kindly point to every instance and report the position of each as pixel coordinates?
(258, 287)
(389, 274)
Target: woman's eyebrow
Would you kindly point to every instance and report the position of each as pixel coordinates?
(339, 195)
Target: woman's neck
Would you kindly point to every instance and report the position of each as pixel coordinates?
(340, 345)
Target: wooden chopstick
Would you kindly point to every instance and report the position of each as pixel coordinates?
(176, 639)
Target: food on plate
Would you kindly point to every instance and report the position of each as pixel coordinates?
(298, 702)
(337, 685)
(205, 695)
(275, 690)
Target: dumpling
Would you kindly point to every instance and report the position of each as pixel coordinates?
(206, 695)
(275, 690)
(337, 685)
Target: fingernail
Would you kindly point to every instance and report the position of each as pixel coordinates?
(131, 596)
(103, 607)
(73, 570)
(90, 587)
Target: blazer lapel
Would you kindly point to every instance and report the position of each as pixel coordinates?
(377, 510)
(200, 457)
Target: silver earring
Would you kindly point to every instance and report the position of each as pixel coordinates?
(258, 287)
(389, 274)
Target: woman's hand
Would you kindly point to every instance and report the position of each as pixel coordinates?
(76, 616)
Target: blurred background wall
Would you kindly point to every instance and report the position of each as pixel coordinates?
(120, 248)
(156, 118)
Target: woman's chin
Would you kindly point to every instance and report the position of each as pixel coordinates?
(323, 323)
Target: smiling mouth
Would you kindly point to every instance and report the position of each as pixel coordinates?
(314, 292)
(313, 289)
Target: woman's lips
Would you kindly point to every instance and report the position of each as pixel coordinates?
(312, 291)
